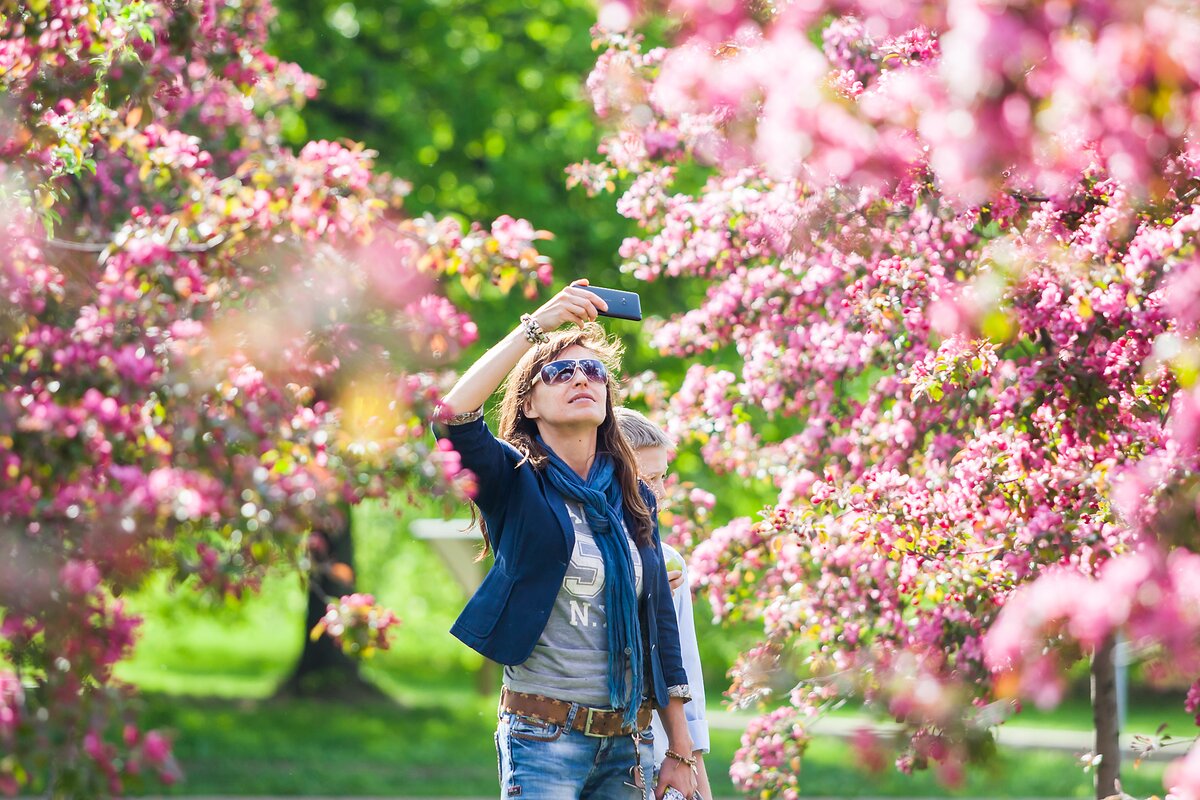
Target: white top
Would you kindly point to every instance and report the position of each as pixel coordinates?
(694, 711)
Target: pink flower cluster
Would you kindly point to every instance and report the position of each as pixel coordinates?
(767, 764)
(357, 624)
(685, 515)
(437, 330)
(1182, 777)
(1154, 598)
(980, 91)
(514, 236)
(507, 253)
(133, 755)
(12, 701)
(27, 280)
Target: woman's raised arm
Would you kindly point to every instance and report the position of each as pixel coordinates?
(572, 304)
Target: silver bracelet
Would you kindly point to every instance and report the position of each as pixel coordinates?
(458, 419)
(533, 330)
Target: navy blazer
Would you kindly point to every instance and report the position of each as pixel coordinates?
(532, 538)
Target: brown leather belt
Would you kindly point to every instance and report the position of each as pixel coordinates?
(588, 721)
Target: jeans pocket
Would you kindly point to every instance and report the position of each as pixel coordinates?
(532, 729)
(645, 748)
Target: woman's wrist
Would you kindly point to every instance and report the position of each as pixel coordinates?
(674, 720)
(682, 748)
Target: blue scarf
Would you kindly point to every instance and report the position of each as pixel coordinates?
(600, 496)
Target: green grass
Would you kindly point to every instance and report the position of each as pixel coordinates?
(440, 748)
(1148, 709)
(314, 748)
(189, 646)
(830, 769)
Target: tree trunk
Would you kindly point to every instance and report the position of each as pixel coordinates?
(323, 670)
(1104, 715)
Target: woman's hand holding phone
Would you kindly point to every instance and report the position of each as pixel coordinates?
(574, 304)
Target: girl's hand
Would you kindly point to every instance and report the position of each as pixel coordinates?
(675, 578)
(573, 304)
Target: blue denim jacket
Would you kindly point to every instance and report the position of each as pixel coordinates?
(532, 538)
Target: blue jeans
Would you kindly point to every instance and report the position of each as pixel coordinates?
(552, 762)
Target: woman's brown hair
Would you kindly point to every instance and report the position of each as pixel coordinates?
(521, 432)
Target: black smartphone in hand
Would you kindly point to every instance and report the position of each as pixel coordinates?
(621, 304)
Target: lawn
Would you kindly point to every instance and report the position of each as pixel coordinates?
(208, 673)
(444, 748)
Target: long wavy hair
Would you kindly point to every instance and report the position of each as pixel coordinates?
(521, 432)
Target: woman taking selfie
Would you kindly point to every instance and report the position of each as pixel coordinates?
(576, 605)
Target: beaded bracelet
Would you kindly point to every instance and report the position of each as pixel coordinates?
(689, 760)
(533, 330)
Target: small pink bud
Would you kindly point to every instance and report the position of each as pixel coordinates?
(157, 747)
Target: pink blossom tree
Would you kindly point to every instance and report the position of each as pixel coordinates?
(953, 246)
(209, 343)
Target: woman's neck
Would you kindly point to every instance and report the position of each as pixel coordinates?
(574, 446)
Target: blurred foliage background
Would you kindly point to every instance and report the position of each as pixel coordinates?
(481, 105)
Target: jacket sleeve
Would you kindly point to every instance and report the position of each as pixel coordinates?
(492, 461)
(694, 711)
(668, 626)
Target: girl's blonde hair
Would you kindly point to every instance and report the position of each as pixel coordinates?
(641, 432)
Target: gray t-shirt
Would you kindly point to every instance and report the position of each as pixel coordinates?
(570, 660)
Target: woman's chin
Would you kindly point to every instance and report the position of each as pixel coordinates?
(577, 418)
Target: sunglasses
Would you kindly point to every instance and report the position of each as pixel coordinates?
(557, 373)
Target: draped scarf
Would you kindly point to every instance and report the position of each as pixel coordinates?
(600, 496)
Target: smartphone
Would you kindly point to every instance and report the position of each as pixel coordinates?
(621, 304)
(672, 793)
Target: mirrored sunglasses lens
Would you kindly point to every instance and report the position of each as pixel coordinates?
(594, 370)
(557, 372)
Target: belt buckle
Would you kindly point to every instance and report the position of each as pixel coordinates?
(587, 725)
